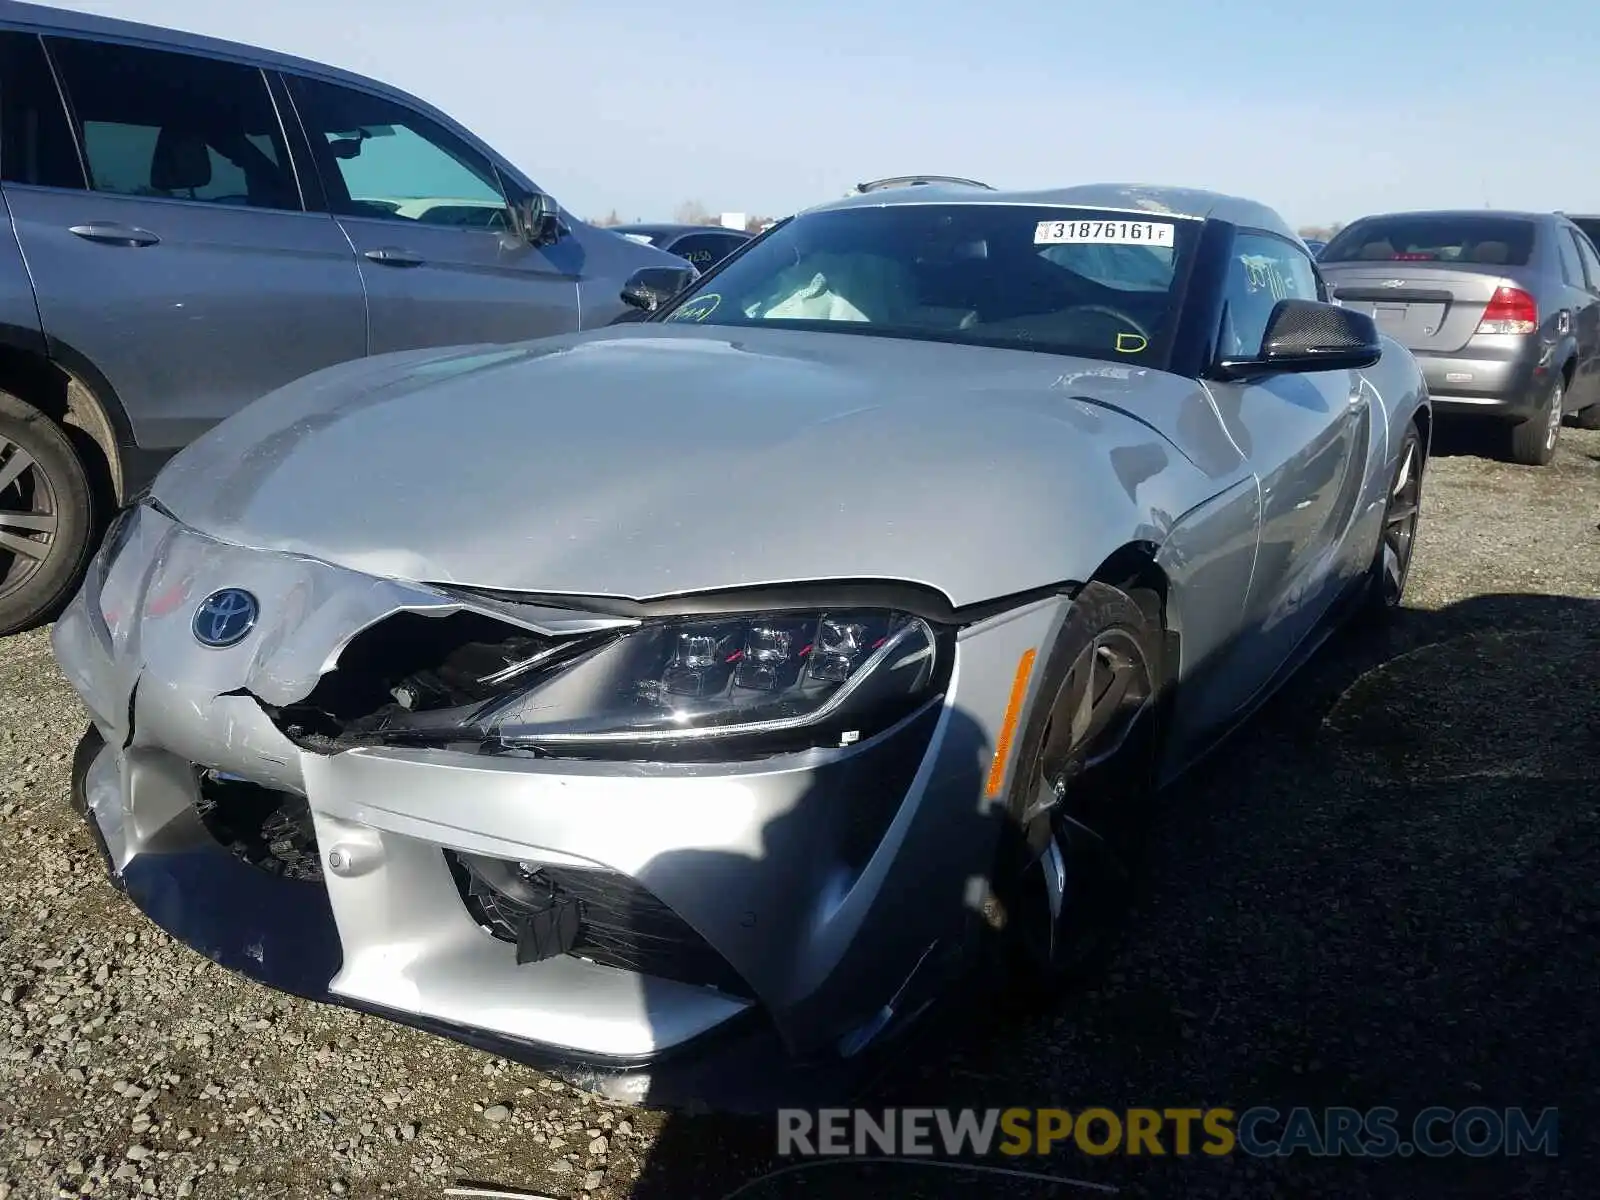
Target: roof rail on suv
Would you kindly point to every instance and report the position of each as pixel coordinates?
(878, 185)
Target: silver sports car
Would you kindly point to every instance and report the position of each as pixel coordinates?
(690, 703)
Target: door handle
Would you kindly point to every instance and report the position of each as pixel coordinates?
(112, 233)
(394, 256)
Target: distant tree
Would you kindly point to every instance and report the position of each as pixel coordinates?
(692, 212)
(757, 224)
(609, 220)
(1321, 232)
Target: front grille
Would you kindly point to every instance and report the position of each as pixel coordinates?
(619, 923)
(268, 829)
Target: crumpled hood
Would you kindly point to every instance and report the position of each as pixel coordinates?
(642, 460)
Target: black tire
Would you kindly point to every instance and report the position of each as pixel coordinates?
(1533, 442)
(1587, 418)
(1391, 561)
(46, 517)
(1104, 814)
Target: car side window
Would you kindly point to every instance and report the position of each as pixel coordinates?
(36, 145)
(1262, 270)
(704, 249)
(1571, 263)
(382, 159)
(158, 123)
(1591, 262)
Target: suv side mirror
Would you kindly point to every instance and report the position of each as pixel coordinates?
(538, 219)
(1309, 335)
(649, 288)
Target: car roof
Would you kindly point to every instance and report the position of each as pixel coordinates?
(1456, 214)
(1147, 199)
(664, 230)
(41, 18)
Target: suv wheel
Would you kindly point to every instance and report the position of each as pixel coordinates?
(46, 516)
(1533, 442)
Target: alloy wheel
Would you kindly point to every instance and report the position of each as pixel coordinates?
(29, 516)
(1081, 812)
(1553, 421)
(1400, 524)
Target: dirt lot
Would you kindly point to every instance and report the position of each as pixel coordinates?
(1384, 892)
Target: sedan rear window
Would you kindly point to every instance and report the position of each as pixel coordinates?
(1095, 283)
(1496, 241)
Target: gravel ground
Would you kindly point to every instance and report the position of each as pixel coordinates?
(1384, 892)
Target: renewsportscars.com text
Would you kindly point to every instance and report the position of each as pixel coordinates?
(1261, 1132)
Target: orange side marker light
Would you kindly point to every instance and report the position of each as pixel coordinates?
(1008, 728)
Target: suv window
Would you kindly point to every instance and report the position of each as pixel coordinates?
(1589, 225)
(176, 126)
(1591, 263)
(35, 136)
(1262, 270)
(1428, 237)
(382, 159)
(705, 249)
(1571, 264)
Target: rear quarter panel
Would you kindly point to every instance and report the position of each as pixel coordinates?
(19, 311)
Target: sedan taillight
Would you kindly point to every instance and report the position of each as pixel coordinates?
(1511, 310)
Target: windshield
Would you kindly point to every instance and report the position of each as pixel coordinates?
(1445, 237)
(1063, 280)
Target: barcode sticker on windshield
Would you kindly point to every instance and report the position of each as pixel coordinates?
(1104, 233)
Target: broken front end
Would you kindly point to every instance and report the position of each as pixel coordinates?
(658, 852)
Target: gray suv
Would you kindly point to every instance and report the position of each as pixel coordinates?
(1501, 310)
(188, 224)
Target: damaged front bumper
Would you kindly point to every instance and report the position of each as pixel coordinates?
(718, 921)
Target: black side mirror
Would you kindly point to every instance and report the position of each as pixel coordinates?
(1309, 335)
(538, 220)
(649, 288)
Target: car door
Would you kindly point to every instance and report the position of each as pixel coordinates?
(176, 259)
(1307, 437)
(1586, 320)
(431, 279)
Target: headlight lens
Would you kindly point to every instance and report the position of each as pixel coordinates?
(838, 675)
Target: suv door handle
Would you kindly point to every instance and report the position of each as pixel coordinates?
(394, 256)
(111, 233)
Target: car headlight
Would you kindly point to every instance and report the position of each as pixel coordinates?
(830, 677)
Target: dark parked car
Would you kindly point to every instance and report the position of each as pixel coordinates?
(703, 245)
(1502, 309)
(1315, 245)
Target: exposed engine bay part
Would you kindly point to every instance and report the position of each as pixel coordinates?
(424, 679)
(598, 915)
(264, 827)
(542, 919)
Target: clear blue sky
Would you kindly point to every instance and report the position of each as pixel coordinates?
(1324, 111)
